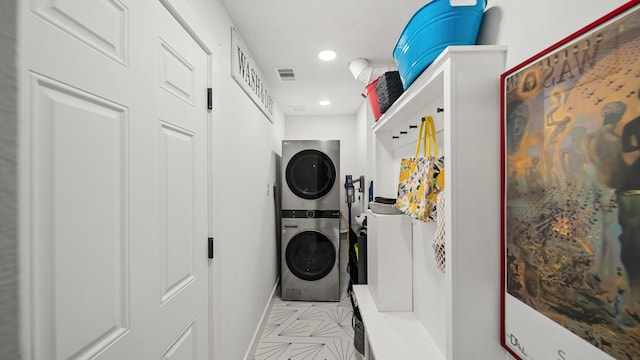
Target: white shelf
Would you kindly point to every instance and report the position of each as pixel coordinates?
(464, 82)
(394, 335)
(429, 87)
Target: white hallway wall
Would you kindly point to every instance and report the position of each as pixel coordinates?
(361, 150)
(528, 27)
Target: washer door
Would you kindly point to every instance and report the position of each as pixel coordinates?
(310, 255)
(310, 174)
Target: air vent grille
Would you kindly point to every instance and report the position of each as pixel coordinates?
(286, 74)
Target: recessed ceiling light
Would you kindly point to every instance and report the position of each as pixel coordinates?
(324, 102)
(327, 55)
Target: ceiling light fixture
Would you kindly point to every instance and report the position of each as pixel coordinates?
(324, 102)
(361, 69)
(327, 55)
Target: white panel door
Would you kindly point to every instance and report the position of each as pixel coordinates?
(181, 113)
(113, 182)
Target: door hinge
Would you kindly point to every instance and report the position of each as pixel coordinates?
(210, 248)
(209, 98)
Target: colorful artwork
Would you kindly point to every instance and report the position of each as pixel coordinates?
(571, 153)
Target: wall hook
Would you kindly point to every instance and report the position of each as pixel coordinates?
(439, 110)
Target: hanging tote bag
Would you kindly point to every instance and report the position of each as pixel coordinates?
(435, 174)
(421, 178)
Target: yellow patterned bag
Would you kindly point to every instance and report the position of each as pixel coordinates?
(421, 178)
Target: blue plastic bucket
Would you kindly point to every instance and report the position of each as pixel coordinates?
(431, 29)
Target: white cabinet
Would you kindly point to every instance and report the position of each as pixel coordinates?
(459, 310)
(390, 264)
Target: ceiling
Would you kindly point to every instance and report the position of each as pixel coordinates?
(291, 33)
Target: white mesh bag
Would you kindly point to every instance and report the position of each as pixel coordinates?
(438, 238)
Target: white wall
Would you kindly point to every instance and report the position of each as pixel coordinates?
(341, 128)
(244, 147)
(361, 151)
(528, 27)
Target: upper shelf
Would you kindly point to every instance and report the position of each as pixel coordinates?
(429, 86)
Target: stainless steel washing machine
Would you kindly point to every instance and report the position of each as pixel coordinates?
(310, 255)
(310, 179)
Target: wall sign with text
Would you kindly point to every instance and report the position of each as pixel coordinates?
(245, 72)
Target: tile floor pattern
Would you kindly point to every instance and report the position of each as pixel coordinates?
(302, 330)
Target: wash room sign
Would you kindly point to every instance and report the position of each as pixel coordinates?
(245, 72)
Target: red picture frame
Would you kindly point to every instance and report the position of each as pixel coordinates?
(571, 195)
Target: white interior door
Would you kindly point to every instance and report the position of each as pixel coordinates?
(181, 121)
(113, 182)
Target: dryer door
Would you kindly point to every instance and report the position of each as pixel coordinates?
(310, 255)
(310, 174)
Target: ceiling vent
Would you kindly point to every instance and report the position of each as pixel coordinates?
(286, 74)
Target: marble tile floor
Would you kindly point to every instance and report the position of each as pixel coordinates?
(302, 330)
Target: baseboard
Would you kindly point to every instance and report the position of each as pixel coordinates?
(263, 320)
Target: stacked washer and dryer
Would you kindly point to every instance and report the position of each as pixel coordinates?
(310, 218)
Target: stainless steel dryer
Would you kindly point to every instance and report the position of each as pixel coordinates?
(310, 255)
(310, 179)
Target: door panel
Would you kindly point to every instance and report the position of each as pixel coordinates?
(81, 187)
(184, 346)
(100, 24)
(177, 208)
(176, 74)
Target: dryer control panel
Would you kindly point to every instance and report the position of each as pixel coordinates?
(310, 214)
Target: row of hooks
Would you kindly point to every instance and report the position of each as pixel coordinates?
(438, 110)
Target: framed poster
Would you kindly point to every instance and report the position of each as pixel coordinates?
(571, 196)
